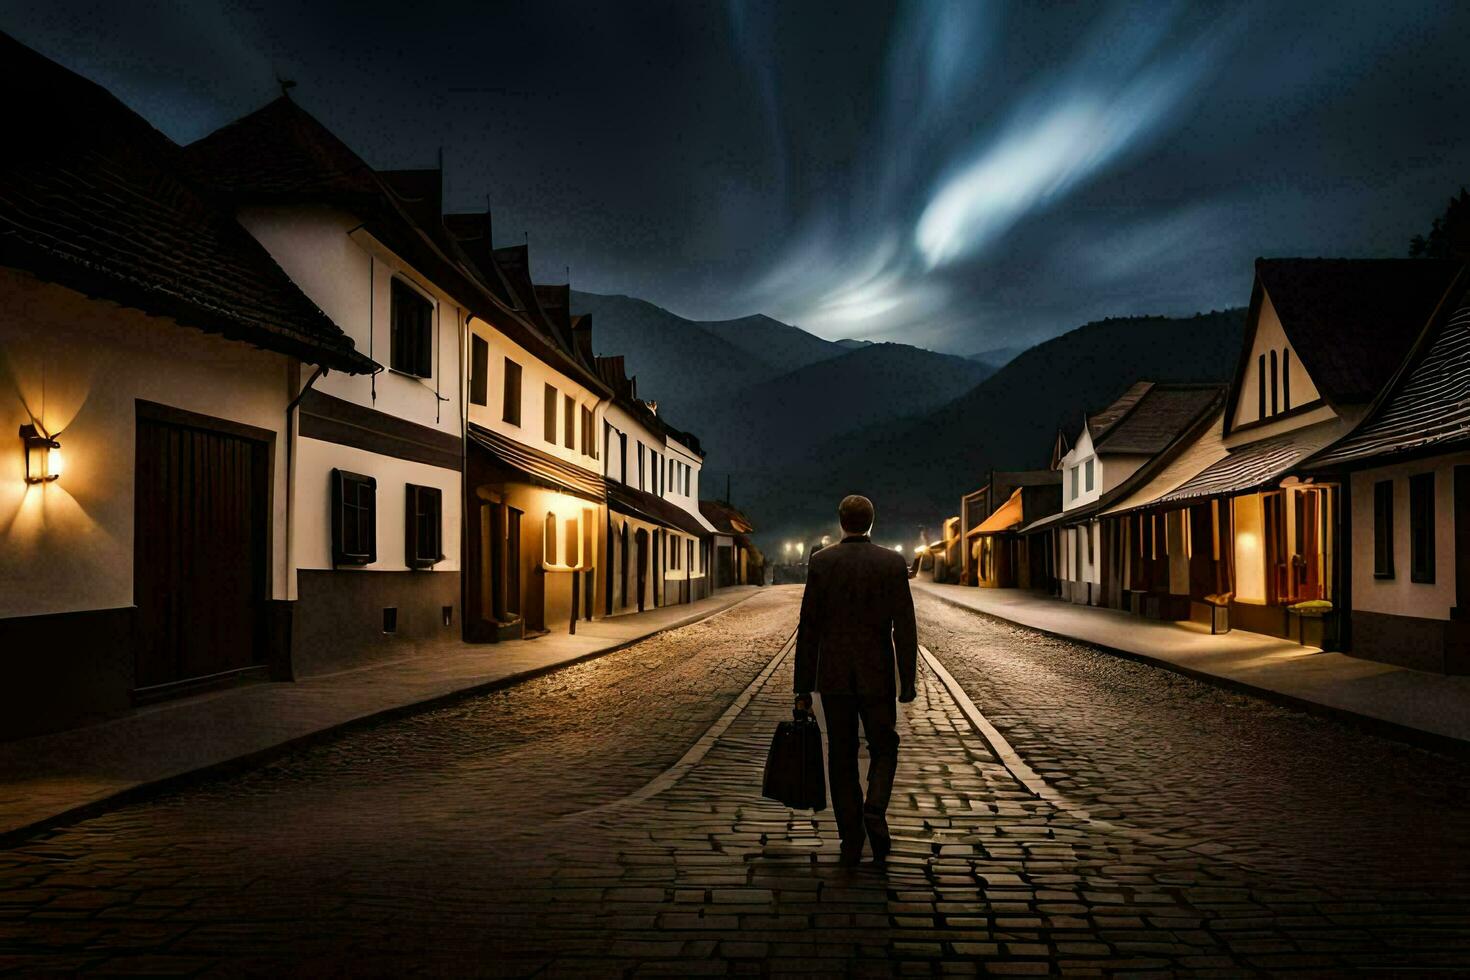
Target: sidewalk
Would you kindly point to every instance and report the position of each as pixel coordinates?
(1428, 709)
(48, 777)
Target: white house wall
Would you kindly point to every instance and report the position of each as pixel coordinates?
(1400, 596)
(81, 365)
(1269, 336)
(335, 266)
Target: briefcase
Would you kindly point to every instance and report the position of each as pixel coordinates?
(794, 771)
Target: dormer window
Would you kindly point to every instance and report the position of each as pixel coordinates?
(412, 328)
(1087, 475)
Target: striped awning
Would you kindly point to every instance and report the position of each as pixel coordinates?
(540, 467)
(1255, 465)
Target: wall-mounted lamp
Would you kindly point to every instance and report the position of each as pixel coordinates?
(43, 455)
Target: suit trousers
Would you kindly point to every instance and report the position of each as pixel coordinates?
(879, 716)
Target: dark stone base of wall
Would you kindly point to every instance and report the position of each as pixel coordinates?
(65, 670)
(1436, 645)
(338, 619)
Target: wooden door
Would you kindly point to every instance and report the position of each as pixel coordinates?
(201, 539)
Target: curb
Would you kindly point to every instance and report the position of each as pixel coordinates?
(250, 760)
(1393, 730)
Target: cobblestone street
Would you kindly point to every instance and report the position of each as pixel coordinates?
(605, 819)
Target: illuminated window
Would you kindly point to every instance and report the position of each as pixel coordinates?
(549, 547)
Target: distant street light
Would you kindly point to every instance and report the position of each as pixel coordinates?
(898, 548)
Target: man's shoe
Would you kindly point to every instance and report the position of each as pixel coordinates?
(852, 855)
(878, 836)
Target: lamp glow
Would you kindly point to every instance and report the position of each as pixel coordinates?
(43, 455)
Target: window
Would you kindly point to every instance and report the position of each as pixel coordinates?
(1274, 384)
(1261, 386)
(688, 475)
(574, 544)
(354, 519)
(1286, 379)
(674, 549)
(479, 370)
(569, 420)
(1087, 474)
(548, 545)
(1421, 528)
(1075, 482)
(422, 526)
(1383, 529)
(589, 437)
(412, 329)
(550, 412)
(512, 411)
(623, 455)
(640, 466)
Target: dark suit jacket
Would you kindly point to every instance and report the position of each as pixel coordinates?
(857, 618)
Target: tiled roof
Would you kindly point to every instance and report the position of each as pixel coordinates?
(281, 154)
(639, 503)
(94, 198)
(1352, 321)
(725, 518)
(1255, 464)
(1157, 419)
(1428, 406)
(1099, 423)
(540, 468)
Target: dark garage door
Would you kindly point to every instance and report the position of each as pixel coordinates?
(200, 547)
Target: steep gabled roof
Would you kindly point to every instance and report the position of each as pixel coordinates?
(613, 371)
(1157, 419)
(94, 198)
(725, 518)
(1427, 405)
(281, 154)
(1099, 423)
(1352, 321)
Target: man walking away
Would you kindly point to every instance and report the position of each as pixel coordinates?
(857, 624)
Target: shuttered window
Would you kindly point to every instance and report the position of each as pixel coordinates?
(1421, 528)
(512, 408)
(549, 410)
(423, 522)
(412, 328)
(1383, 529)
(479, 371)
(354, 518)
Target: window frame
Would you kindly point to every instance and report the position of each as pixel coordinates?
(510, 411)
(348, 490)
(550, 402)
(410, 345)
(479, 370)
(420, 503)
(569, 422)
(1088, 476)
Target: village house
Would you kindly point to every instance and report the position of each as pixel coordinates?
(154, 346)
(1322, 338)
(1404, 474)
(658, 543)
(978, 506)
(378, 466)
(1116, 450)
(737, 561)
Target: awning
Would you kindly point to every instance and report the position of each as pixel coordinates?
(1052, 520)
(539, 467)
(1006, 516)
(1255, 465)
(656, 510)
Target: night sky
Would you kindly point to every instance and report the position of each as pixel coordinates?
(955, 175)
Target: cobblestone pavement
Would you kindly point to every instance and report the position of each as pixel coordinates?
(503, 835)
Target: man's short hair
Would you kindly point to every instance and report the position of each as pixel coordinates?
(856, 514)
